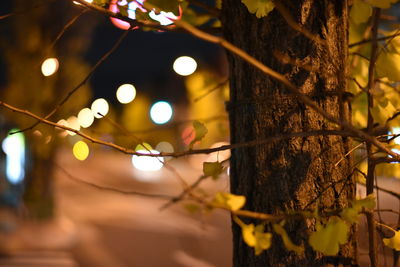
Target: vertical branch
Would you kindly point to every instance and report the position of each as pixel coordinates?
(371, 163)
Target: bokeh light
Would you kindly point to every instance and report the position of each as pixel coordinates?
(49, 66)
(166, 148)
(100, 105)
(73, 123)
(164, 18)
(161, 112)
(64, 123)
(85, 117)
(126, 93)
(147, 164)
(14, 148)
(219, 155)
(80, 150)
(131, 10)
(184, 65)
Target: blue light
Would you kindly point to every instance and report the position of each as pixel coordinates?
(14, 148)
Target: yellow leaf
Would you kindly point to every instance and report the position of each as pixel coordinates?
(231, 201)
(360, 11)
(248, 235)
(260, 7)
(263, 240)
(388, 65)
(200, 131)
(393, 242)
(327, 239)
(213, 169)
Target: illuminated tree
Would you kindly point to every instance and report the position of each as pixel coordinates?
(293, 78)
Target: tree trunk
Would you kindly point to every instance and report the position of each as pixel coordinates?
(289, 174)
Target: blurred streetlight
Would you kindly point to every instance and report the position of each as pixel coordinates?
(126, 93)
(85, 117)
(161, 112)
(49, 66)
(184, 65)
(99, 106)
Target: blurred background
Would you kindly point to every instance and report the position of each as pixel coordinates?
(65, 201)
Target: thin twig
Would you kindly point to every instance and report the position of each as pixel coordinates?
(210, 90)
(115, 190)
(182, 153)
(70, 93)
(66, 27)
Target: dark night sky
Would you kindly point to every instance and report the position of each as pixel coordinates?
(143, 59)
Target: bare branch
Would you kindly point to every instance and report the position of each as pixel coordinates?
(183, 153)
(76, 88)
(115, 190)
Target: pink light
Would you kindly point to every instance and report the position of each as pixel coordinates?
(163, 18)
(131, 12)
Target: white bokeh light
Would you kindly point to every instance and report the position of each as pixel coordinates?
(126, 93)
(184, 65)
(161, 112)
(85, 117)
(49, 66)
(144, 163)
(73, 123)
(100, 105)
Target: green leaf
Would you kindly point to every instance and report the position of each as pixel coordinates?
(143, 146)
(286, 240)
(393, 242)
(360, 11)
(327, 239)
(381, 3)
(352, 213)
(259, 7)
(200, 131)
(231, 201)
(388, 65)
(213, 169)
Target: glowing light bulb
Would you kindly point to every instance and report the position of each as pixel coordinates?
(80, 150)
(126, 93)
(99, 108)
(49, 66)
(85, 117)
(161, 112)
(184, 65)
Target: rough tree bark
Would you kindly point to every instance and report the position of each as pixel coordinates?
(289, 174)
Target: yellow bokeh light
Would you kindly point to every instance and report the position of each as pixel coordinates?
(49, 66)
(126, 93)
(85, 117)
(74, 124)
(184, 65)
(100, 105)
(80, 150)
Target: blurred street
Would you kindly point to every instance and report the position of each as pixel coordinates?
(114, 229)
(106, 228)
